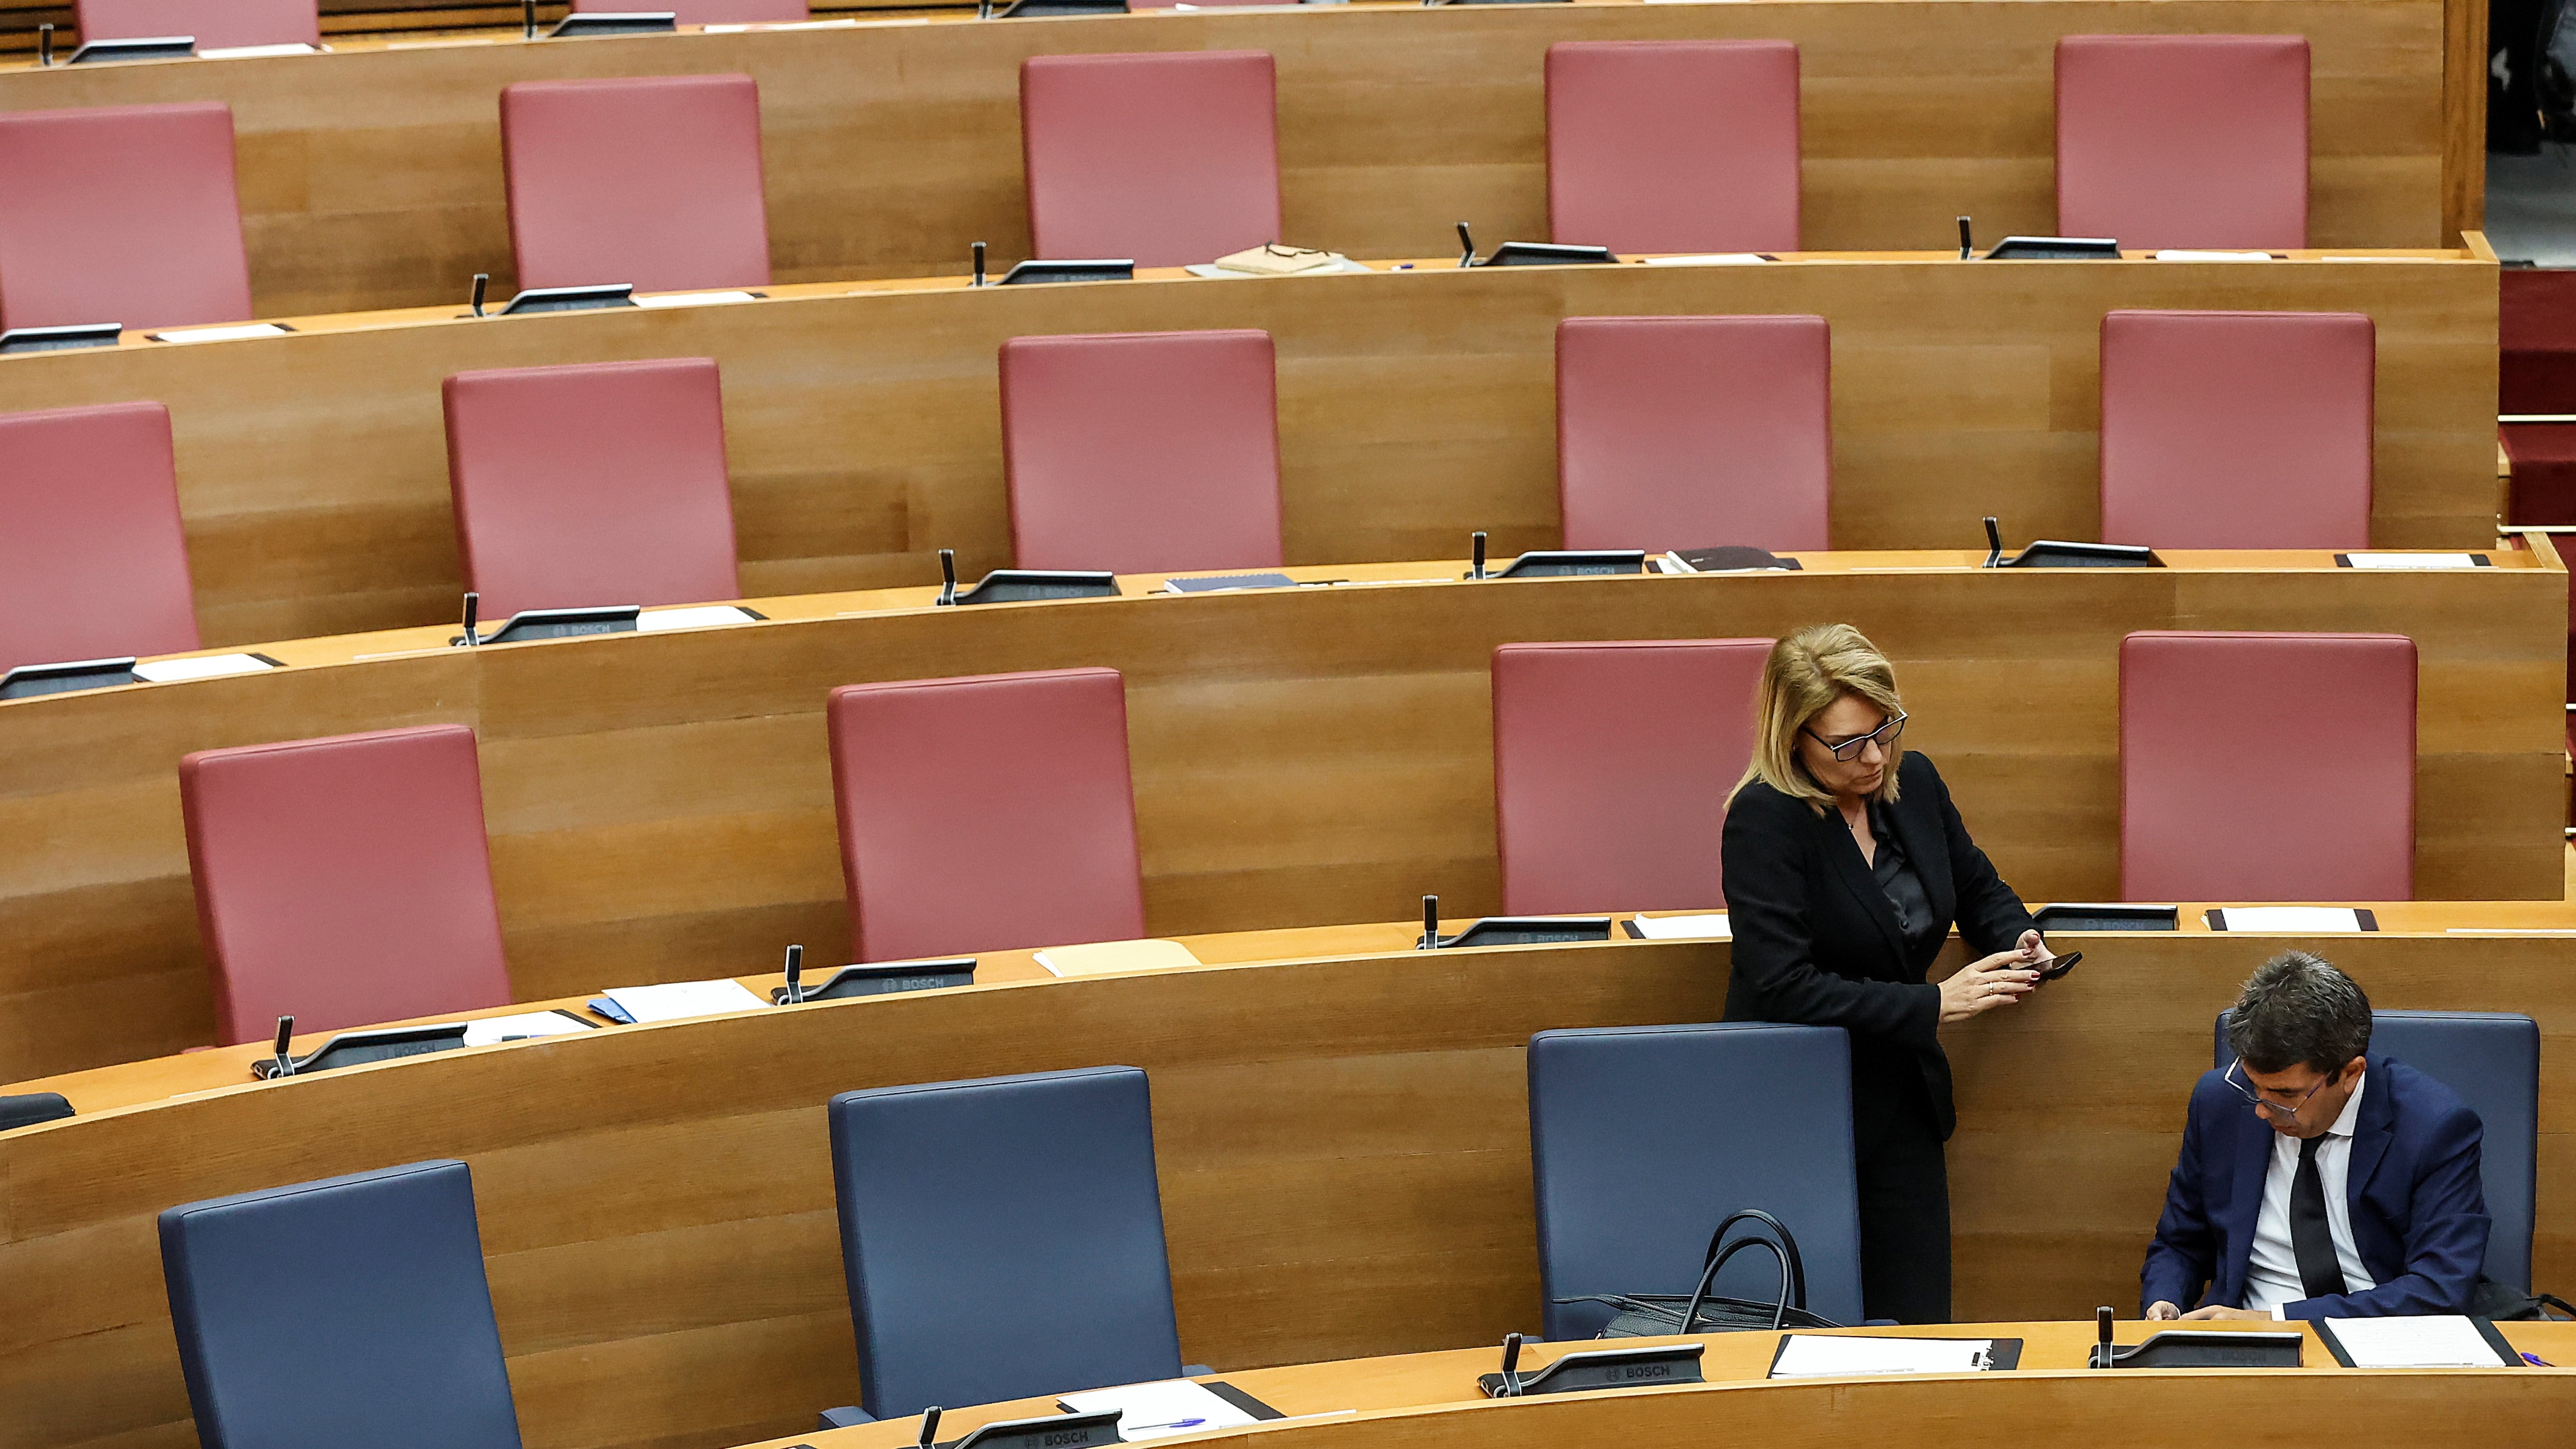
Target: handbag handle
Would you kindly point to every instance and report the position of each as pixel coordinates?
(1793, 1272)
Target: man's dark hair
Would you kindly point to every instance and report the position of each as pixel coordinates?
(2294, 1009)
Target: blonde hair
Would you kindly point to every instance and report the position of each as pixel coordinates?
(1805, 674)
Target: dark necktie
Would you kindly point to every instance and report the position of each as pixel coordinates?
(2311, 1241)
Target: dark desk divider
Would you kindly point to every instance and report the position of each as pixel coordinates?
(30, 680)
(354, 1048)
(1056, 1431)
(151, 47)
(2094, 916)
(2051, 553)
(1540, 254)
(560, 624)
(1566, 563)
(2055, 249)
(1609, 1368)
(29, 1108)
(570, 299)
(2187, 1348)
(60, 339)
(885, 979)
(1103, 269)
(1021, 586)
(1524, 931)
(605, 22)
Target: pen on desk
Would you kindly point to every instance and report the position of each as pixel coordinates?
(2536, 1361)
(1175, 1424)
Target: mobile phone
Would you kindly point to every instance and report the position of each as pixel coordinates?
(2061, 965)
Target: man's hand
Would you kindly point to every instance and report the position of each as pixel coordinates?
(2214, 1311)
(2161, 1311)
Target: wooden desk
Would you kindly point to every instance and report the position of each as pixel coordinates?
(863, 422)
(1342, 1134)
(372, 177)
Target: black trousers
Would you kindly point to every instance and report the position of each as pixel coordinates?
(1904, 1211)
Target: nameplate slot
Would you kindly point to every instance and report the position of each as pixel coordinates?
(1612, 1368)
(607, 22)
(1024, 586)
(1097, 270)
(2058, 553)
(2093, 916)
(530, 624)
(2055, 249)
(1541, 254)
(569, 299)
(1058, 1431)
(1566, 563)
(1526, 931)
(27, 681)
(2183, 1348)
(1033, 9)
(139, 47)
(886, 980)
(357, 1048)
(60, 339)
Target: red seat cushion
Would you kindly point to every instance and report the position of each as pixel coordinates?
(654, 180)
(986, 813)
(343, 881)
(2237, 429)
(1167, 159)
(1612, 764)
(216, 24)
(597, 483)
(2267, 767)
(1689, 432)
(93, 561)
(121, 214)
(709, 12)
(1673, 145)
(1142, 452)
(2536, 328)
(2183, 140)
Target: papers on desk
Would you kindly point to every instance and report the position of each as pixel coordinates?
(1212, 271)
(203, 666)
(1103, 956)
(1706, 926)
(695, 299)
(2293, 920)
(1818, 1356)
(2433, 1341)
(679, 1000)
(1706, 259)
(704, 616)
(2185, 254)
(222, 334)
(786, 25)
(2414, 560)
(249, 52)
(493, 1029)
(1159, 1410)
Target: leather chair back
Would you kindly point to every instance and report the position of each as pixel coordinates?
(654, 180)
(1168, 158)
(1690, 432)
(93, 560)
(2184, 140)
(2237, 429)
(352, 1310)
(712, 12)
(1644, 1138)
(593, 483)
(2267, 767)
(986, 813)
(1673, 145)
(2492, 1059)
(121, 214)
(216, 24)
(1003, 1238)
(1142, 452)
(344, 881)
(1612, 764)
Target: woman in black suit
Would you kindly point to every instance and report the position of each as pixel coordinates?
(1845, 866)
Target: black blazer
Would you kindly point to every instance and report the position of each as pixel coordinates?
(1816, 942)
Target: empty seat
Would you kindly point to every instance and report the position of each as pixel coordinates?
(709, 12)
(93, 562)
(349, 1310)
(2183, 140)
(121, 214)
(1037, 1192)
(216, 24)
(653, 180)
(1167, 158)
(1743, 1114)
(1690, 432)
(343, 881)
(1142, 452)
(596, 483)
(1612, 764)
(1673, 145)
(2237, 429)
(986, 813)
(2267, 767)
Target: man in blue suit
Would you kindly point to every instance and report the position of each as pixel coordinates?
(2317, 1181)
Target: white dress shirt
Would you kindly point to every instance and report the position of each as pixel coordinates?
(2272, 1270)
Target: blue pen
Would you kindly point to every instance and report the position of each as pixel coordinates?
(2536, 1361)
(1175, 1424)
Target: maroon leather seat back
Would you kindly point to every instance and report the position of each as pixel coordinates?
(344, 881)
(653, 180)
(2267, 767)
(216, 24)
(1167, 158)
(121, 214)
(93, 561)
(986, 813)
(1673, 145)
(2237, 429)
(1142, 452)
(1612, 764)
(2183, 140)
(1689, 432)
(710, 12)
(596, 483)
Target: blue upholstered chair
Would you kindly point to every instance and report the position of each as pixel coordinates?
(1643, 1138)
(2492, 1059)
(1003, 1239)
(345, 1311)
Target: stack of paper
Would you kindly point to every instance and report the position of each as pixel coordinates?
(682, 999)
(1115, 956)
(1160, 1410)
(2302, 920)
(1705, 926)
(1811, 1356)
(492, 1029)
(2433, 1341)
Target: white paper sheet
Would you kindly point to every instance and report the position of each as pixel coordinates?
(250, 52)
(2301, 919)
(221, 334)
(694, 299)
(204, 666)
(2433, 1341)
(680, 1000)
(786, 25)
(1709, 925)
(2185, 254)
(1213, 272)
(1160, 1410)
(2414, 560)
(527, 1023)
(1704, 259)
(1812, 1355)
(653, 621)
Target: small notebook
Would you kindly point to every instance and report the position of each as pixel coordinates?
(1106, 956)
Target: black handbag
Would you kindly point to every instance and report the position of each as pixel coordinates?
(2505, 1303)
(1647, 1315)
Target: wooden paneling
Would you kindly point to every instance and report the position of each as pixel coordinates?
(864, 429)
(372, 178)
(1343, 1153)
(660, 805)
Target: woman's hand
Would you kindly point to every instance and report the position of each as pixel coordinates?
(2033, 948)
(1979, 987)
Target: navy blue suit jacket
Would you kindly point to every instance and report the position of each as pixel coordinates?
(2419, 1217)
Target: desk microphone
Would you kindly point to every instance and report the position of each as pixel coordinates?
(1967, 240)
(979, 266)
(795, 973)
(1467, 246)
(2102, 1338)
(929, 1426)
(285, 1029)
(948, 570)
(1511, 1387)
(473, 607)
(1994, 545)
(481, 281)
(527, 19)
(1430, 924)
(45, 43)
(1477, 543)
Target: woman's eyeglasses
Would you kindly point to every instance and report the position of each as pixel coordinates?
(1886, 735)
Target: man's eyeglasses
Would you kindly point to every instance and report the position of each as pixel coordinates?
(1886, 735)
(2288, 1112)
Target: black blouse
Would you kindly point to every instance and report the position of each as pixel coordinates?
(1902, 884)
